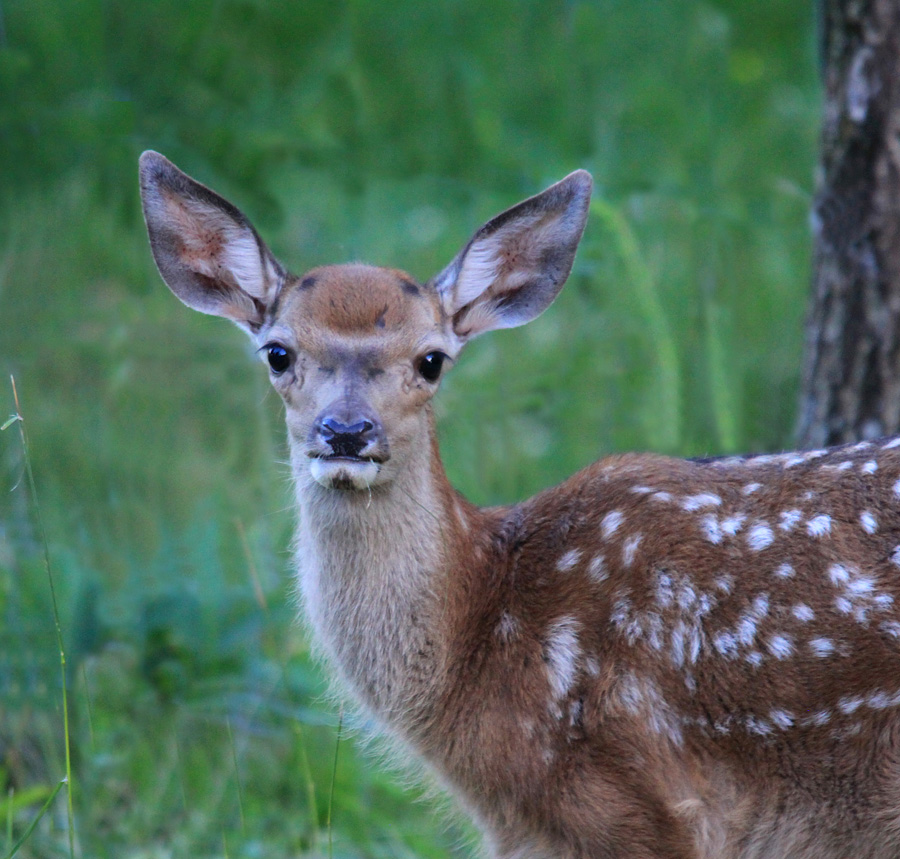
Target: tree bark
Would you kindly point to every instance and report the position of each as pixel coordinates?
(851, 385)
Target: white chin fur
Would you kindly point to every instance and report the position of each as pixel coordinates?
(344, 473)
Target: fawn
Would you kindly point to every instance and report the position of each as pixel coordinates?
(657, 658)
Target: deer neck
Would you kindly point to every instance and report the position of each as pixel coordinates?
(372, 567)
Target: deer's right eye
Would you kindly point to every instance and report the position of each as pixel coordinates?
(429, 366)
(279, 358)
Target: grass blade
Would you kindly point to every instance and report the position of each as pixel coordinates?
(27, 834)
(337, 746)
(663, 425)
(237, 777)
(306, 772)
(19, 418)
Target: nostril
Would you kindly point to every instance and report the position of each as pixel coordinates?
(330, 426)
(361, 427)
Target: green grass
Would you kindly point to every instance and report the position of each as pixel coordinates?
(199, 723)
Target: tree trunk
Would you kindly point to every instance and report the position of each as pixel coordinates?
(851, 385)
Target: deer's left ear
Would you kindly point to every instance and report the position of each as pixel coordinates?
(517, 263)
(206, 250)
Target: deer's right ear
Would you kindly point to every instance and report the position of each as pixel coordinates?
(206, 250)
(517, 263)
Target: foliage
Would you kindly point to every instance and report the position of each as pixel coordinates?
(345, 130)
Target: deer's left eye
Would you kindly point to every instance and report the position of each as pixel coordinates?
(279, 358)
(429, 366)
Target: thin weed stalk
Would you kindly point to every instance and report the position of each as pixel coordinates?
(306, 772)
(337, 746)
(87, 700)
(237, 777)
(27, 834)
(19, 418)
(664, 425)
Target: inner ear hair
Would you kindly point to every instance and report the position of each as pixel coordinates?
(206, 249)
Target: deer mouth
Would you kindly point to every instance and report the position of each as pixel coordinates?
(340, 471)
(344, 456)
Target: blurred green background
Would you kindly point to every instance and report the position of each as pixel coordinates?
(346, 130)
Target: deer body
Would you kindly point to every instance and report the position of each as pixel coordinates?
(657, 658)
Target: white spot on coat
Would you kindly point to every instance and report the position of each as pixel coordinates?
(878, 700)
(890, 627)
(819, 525)
(816, 720)
(780, 646)
(678, 632)
(868, 522)
(629, 549)
(561, 652)
(697, 502)
(894, 442)
(597, 569)
(850, 704)
(568, 560)
(862, 585)
(838, 574)
(654, 628)
(758, 726)
(694, 643)
(621, 611)
(750, 488)
(726, 644)
(610, 523)
(711, 529)
(869, 467)
(747, 625)
(784, 571)
(687, 596)
(789, 519)
(733, 524)
(725, 583)
(642, 697)
(507, 627)
(803, 612)
(822, 646)
(783, 719)
(760, 606)
(760, 536)
(665, 593)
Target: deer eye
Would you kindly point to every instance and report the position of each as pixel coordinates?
(279, 358)
(429, 366)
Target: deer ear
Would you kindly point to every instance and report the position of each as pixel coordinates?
(206, 250)
(517, 263)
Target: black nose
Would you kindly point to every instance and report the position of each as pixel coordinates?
(346, 439)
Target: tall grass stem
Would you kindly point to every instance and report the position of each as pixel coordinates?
(337, 746)
(20, 419)
(27, 834)
(663, 422)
